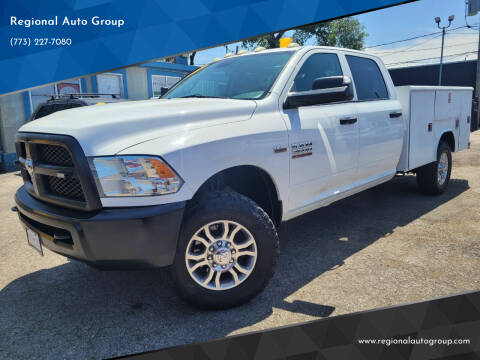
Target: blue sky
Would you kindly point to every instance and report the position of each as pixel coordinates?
(412, 19)
(395, 23)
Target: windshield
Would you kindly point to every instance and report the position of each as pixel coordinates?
(240, 77)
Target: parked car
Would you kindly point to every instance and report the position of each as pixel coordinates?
(70, 101)
(201, 179)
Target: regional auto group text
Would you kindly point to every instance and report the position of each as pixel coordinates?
(66, 21)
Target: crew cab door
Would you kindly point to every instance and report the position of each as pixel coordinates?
(380, 119)
(323, 139)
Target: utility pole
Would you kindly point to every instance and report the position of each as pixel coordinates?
(441, 58)
(473, 7)
(443, 28)
(476, 102)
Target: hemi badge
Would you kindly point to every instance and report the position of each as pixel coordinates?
(61, 175)
(279, 149)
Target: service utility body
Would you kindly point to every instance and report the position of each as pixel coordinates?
(202, 178)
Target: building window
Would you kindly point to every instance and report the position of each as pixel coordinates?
(159, 81)
(110, 83)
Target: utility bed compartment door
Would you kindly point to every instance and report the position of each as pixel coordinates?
(452, 113)
(448, 109)
(422, 115)
(465, 121)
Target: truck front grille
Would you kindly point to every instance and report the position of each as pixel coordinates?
(54, 155)
(54, 169)
(69, 188)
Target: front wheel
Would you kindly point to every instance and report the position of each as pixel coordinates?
(433, 178)
(226, 252)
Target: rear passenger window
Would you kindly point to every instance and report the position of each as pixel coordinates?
(316, 66)
(368, 78)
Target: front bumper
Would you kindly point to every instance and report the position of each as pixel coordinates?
(137, 237)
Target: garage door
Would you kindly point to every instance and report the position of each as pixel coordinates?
(110, 84)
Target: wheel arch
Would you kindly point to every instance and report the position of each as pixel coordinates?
(250, 180)
(447, 136)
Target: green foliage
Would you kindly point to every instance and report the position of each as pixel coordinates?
(267, 41)
(346, 33)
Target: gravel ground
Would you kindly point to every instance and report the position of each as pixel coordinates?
(385, 246)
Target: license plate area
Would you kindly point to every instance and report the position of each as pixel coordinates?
(33, 239)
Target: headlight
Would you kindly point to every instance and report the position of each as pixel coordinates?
(134, 176)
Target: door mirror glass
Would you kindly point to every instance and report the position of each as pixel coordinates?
(325, 90)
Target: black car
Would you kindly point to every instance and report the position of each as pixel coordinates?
(69, 101)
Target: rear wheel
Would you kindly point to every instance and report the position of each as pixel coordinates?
(226, 253)
(433, 178)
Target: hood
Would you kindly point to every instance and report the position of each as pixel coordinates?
(110, 128)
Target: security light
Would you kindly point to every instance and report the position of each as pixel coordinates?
(437, 20)
(451, 17)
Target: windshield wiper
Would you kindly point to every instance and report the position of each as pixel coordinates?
(200, 96)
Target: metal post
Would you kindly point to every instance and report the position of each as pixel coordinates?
(438, 21)
(473, 9)
(476, 122)
(441, 59)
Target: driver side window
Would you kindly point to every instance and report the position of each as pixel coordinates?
(316, 66)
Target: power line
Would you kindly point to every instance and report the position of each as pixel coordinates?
(399, 41)
(431, 58)
(432, 48)
(390, 52)
(415, 37)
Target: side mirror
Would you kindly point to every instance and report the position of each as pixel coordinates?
(163, 90)
(324, 90)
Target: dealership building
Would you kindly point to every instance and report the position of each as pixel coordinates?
(135, 83)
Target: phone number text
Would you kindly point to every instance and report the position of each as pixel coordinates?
(26, 42)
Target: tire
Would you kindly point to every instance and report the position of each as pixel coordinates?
(429, 179)
(198, 284)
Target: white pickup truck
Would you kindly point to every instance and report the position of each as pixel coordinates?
(202, 178)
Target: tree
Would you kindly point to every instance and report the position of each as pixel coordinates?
(347, 33)
(267, 41)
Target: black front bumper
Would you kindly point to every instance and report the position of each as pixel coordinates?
(112, 237)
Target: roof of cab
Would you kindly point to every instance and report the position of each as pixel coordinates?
(304, 48)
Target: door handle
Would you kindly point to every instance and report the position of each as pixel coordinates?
(347, 121)
(394, 115)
